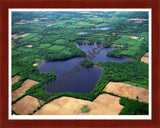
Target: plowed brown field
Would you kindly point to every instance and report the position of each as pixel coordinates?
(25, 85)
(145, 58)
(127, 90)
(15, 79)
(26, 105)
(104, 104)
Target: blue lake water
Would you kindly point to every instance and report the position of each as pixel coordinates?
(71, 77)
(103, 28)
(82, 33)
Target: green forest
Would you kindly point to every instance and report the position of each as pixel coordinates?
(55, 35)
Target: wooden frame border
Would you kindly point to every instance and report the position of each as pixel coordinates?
(6, 4)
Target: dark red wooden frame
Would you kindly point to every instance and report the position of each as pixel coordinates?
(6, 4)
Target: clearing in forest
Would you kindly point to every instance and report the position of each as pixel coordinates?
(15, 36)
(29, 46)
(137, 20)
(25, 85)
(134, 37)
(127, 90)
(104, 104)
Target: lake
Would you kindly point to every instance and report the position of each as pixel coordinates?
(71, 77)
(82, 33)
(103, 28)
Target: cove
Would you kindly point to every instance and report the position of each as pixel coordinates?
(83, 81)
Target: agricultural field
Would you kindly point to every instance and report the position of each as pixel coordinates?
(26, 85)
(126, 90)
(26, 105)
(97, 107)
(145, 58)
(129, 46)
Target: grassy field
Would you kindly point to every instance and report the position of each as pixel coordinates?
(128, 47)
